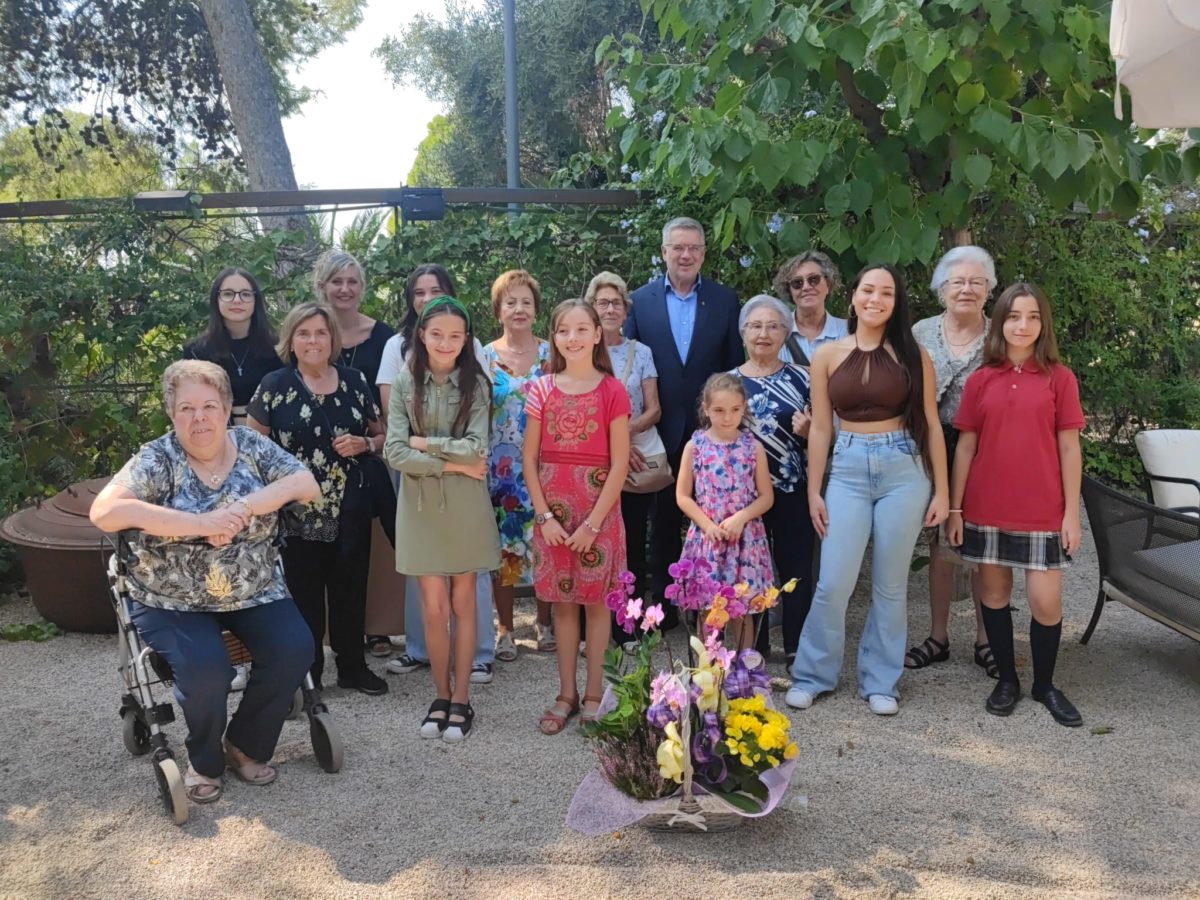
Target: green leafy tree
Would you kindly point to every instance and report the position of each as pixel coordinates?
(563, 95)
(432, 166)
(878, 127)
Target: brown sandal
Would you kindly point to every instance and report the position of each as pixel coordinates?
(552, 721)
(201, 788)
(586, 718)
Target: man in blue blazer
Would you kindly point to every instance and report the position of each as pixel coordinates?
(690, 325)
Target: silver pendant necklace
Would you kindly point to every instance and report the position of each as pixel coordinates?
(240, 362)
(212, 476)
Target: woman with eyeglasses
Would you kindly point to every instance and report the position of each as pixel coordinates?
(962, 280)
(806, 281)
(779, 415)
(239, 337)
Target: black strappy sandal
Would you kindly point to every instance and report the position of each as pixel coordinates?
(930, 651)
(985, 660)
(432, 726)
(456, 732)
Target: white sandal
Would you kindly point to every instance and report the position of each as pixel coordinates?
(506, 650)
(545, 638)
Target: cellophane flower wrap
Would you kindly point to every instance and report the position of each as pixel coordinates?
(702, 725)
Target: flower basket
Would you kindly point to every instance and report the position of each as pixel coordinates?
(698, 747)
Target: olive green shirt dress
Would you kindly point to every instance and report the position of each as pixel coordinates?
(444, 523)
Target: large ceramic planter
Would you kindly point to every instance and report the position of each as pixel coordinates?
(64, 556)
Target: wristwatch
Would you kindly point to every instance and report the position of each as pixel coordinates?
(543, 518)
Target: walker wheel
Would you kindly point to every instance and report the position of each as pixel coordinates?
(134, 733)
(171, 789)
(297, 705)
(326, 741)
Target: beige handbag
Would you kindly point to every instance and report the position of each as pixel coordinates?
(657, 474)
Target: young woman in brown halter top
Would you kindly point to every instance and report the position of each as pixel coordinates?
(880, 384)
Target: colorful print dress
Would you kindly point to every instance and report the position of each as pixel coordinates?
(724, 484)
(506, 479)
(573, 465)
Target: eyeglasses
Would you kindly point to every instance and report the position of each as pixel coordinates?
(610, 304)
(768, 327)
(797, 284)
(684, 248)
(957, 284)
(230, 296)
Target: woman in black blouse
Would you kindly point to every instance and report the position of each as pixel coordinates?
(239, 337)
(322, 413)
(340, 281)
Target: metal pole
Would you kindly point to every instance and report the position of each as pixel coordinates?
(510, 98)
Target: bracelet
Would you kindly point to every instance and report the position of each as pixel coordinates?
(590, 527)
(249, 508)
(959, 511)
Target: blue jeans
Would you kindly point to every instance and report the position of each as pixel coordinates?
(282, 647)
(877, 488)
(414, 622)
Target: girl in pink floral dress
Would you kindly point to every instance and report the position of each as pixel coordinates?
(576, 456)
(724, 487)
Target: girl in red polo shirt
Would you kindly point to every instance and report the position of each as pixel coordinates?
(1014, 500)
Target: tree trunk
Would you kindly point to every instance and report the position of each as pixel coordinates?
(254, 109)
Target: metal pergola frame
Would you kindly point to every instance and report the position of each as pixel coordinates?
(414, 204)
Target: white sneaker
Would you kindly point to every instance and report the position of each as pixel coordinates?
(240, 676)
(798, 698)
(883, 705)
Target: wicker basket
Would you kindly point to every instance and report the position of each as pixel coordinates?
(696, 813)
(238, 654)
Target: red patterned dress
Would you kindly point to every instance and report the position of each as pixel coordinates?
(573, 465)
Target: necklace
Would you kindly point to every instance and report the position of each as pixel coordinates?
(760, 374)
(239, 362)
(353, 352)
(212, 475)
(966, 343)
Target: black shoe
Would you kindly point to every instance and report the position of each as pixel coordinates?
(1003, 699)
(1060, 707)
(363, 680)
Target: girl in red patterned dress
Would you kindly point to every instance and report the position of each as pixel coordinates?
(576, 456)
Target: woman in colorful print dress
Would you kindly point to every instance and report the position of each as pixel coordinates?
(513, 362)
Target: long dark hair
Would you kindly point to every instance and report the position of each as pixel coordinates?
(995, 347)
(470, 373)
(214, 342)
(409, 325)
(898, 333)
(600, 357)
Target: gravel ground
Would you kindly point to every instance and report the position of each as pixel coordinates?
(943, 800)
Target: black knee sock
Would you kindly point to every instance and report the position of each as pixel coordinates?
(1043, 646)
(998, 623)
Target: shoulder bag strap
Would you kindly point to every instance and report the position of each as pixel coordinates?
(629, 361)
(799, 357)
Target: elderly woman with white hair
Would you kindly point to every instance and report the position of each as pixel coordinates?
(779, 416)
(962, 280)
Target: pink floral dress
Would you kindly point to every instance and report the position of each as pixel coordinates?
(724, 484)
(573, 466)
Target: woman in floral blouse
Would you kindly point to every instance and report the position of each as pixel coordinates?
(203, 498)
(324, 414)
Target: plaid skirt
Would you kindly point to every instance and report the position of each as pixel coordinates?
(1040, 550)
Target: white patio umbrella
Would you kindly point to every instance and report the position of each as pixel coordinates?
(1156, 44)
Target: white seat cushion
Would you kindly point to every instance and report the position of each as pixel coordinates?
(1173, 452)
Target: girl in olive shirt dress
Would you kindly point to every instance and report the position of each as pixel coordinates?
(437, 440)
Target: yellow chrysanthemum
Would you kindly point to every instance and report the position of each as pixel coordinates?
(791, 752)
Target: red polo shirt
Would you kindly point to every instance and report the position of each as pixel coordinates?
(1015, 481)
